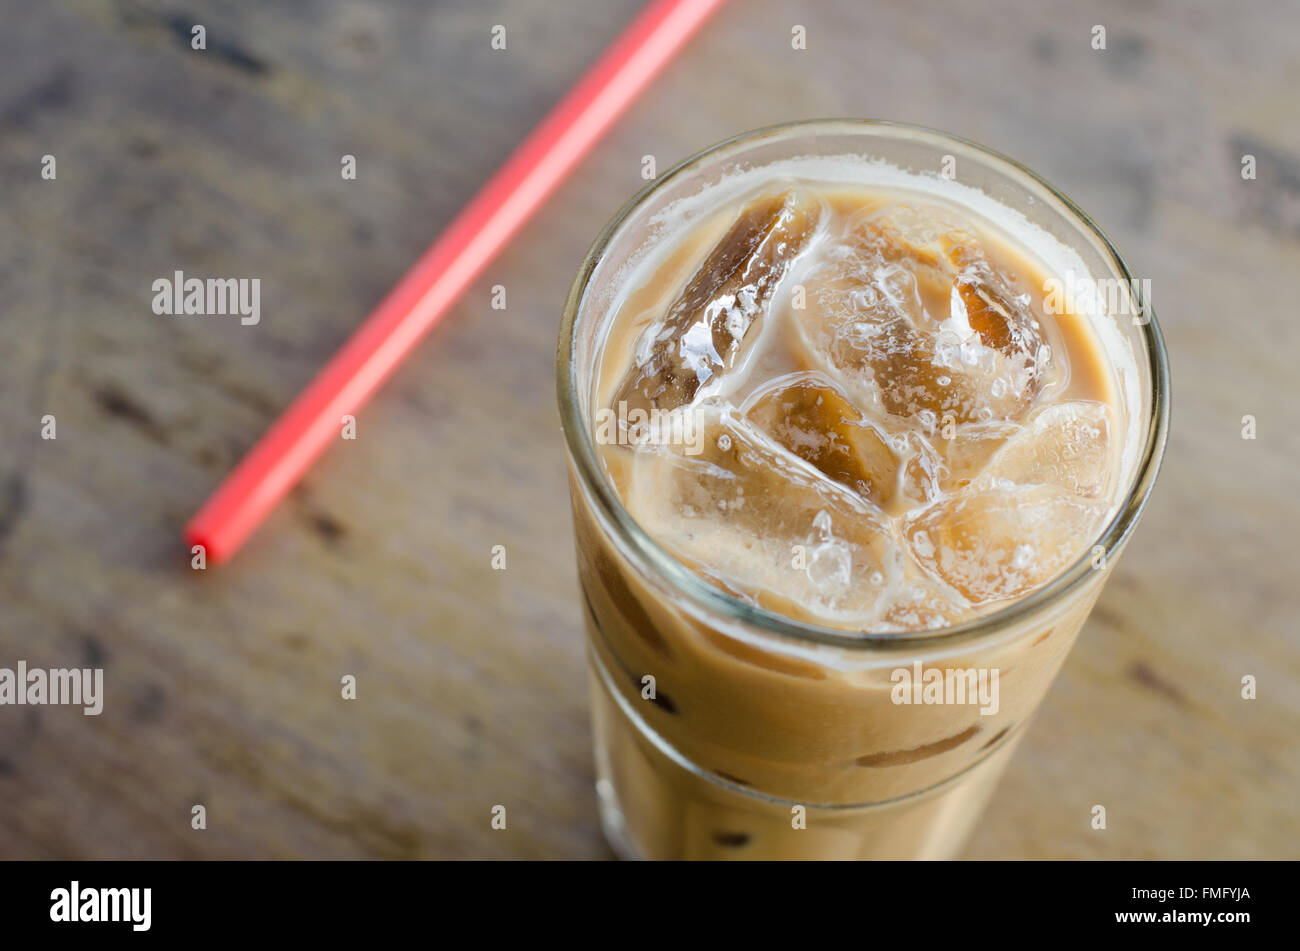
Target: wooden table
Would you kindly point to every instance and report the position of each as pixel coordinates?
(223, 686)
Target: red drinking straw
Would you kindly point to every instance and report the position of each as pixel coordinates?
(442, 274)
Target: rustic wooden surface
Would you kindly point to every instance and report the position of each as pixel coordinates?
(223, 686)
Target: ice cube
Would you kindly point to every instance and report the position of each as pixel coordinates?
(969, 447)
(996, 543)
(991, 306)
(915, 234)
(908, 311)
(1062, 444)
(810, 417)
(919, 605)
(755, 518)
(862, 334)
(718, 315)
(923, 471)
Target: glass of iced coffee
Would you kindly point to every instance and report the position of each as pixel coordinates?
(860, 416)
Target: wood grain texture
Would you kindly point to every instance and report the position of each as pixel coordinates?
(223, 686)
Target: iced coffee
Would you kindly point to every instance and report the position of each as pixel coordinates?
(847, 430)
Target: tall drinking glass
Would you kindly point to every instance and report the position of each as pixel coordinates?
(723, 730)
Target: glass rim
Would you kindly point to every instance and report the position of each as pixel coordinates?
(654, 560)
